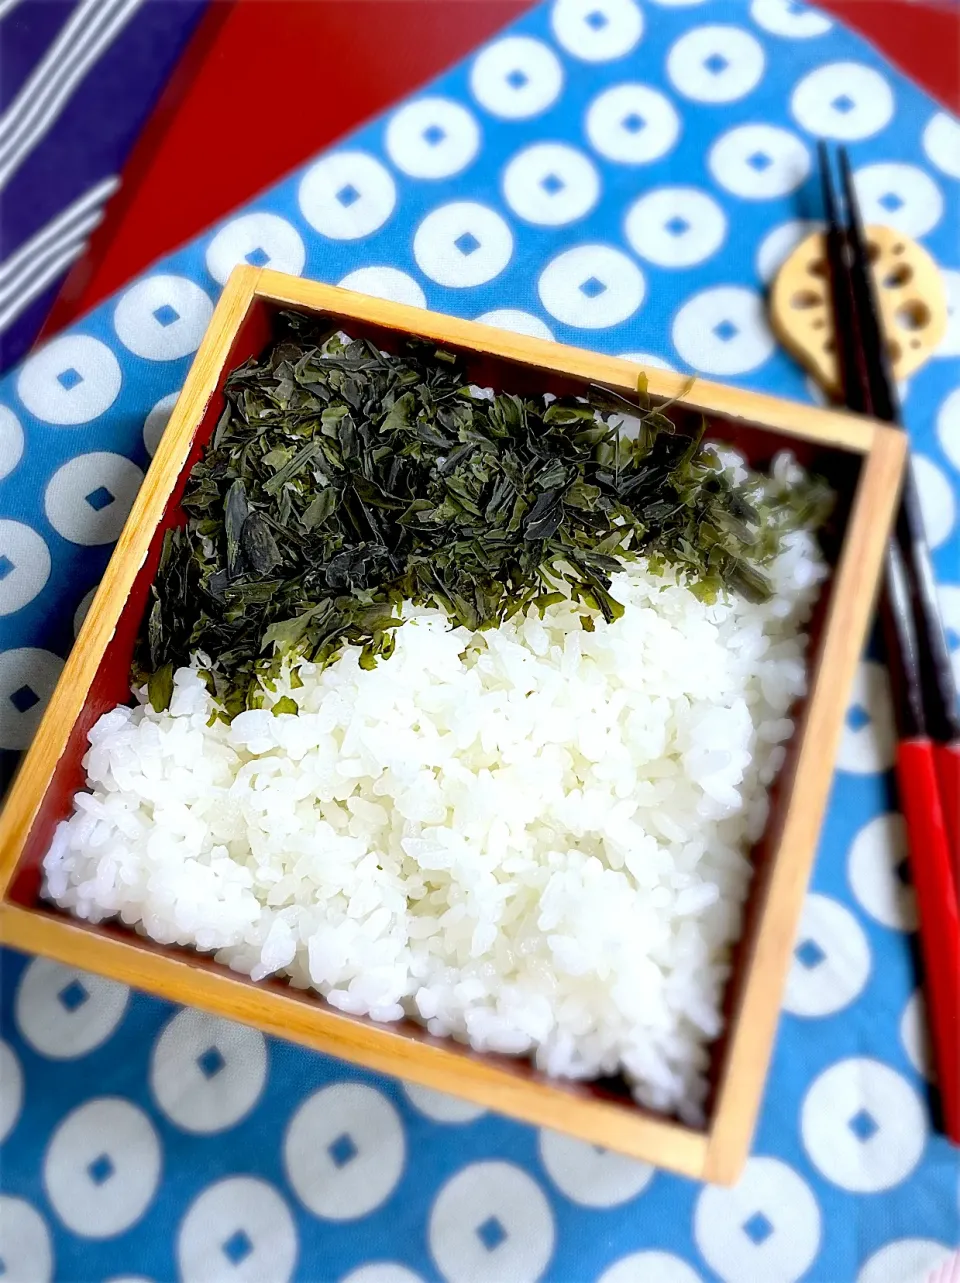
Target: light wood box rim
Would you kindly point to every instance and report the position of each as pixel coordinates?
(716, 1154)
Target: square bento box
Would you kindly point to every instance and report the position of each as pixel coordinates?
(861, 459)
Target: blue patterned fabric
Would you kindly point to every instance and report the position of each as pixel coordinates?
(624, 178)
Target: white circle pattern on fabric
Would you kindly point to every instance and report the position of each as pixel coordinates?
(591, 287)
(259, 239)
(843, 100)
(759, 162)
(156, 421)
(71, 380)
(462, 244)
(941, 142)
(723, 331)
(787, 18)
(382, 1272)
(11, 1090)
(238, 1230)
(879, 873)
(516, 78)
(907, 1260)
(831, 959)
(863, 1125)
(675, 226)
(11, 441)
(949, 427)
(64, 1013)
(440, 1106)
(915, 1036)
(387, 283)
(24, 565)
(163, 317)
(777, 246)
(102, 1167)
(868, 741)
(207, 1074)
(716, 64)
(950, 343)
(80, 613)
(632, 124)
(25, 1246)
(432, 138)
(590, 1176)
(347, 195)
(28, 675)
(767, 1226)
(650, 1267)
(510, 318)
(344, 1151)
(937, 501)
(597, 30)
(647, 358)
(551, 184)
(901, 196)
(88, 498)
(491, 1222)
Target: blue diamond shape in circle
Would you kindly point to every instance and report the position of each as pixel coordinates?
(433, 134)
(467, 243)
(6, 565)
(72, 996)
(165, 315)
(24, 699)
(210, 1062)
(592, 288)
(716, 63)
(596, 20)
(843, 103)
(758, 1228)
(809, 954)
(491, 1233)
(516, 79)
(99, 499)
(342, 1150)
(633, 123)
(891, 202)
(857, 717)
(257, 257)
(863, 1125)
(759, 161)
(725, 331)
(101, 1169)
(676, 226)
(348, 195)
(552, 184)
(237, 1247)
(69, 378)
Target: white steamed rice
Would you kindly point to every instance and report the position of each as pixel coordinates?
(531, 839)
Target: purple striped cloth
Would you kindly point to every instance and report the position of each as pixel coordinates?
(77, 81)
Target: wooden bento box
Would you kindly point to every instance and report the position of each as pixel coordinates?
(862, 460)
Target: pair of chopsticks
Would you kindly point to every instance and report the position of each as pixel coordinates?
(925, 697)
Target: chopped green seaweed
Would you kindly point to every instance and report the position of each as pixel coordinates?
(341, 481)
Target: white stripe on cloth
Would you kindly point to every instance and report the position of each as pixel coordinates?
(38, 262)
(6, 6)
(46, 275)
(91, 29)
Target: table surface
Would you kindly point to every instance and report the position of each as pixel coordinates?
(159, 1143)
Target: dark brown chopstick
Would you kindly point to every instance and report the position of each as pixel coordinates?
(928, 754)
